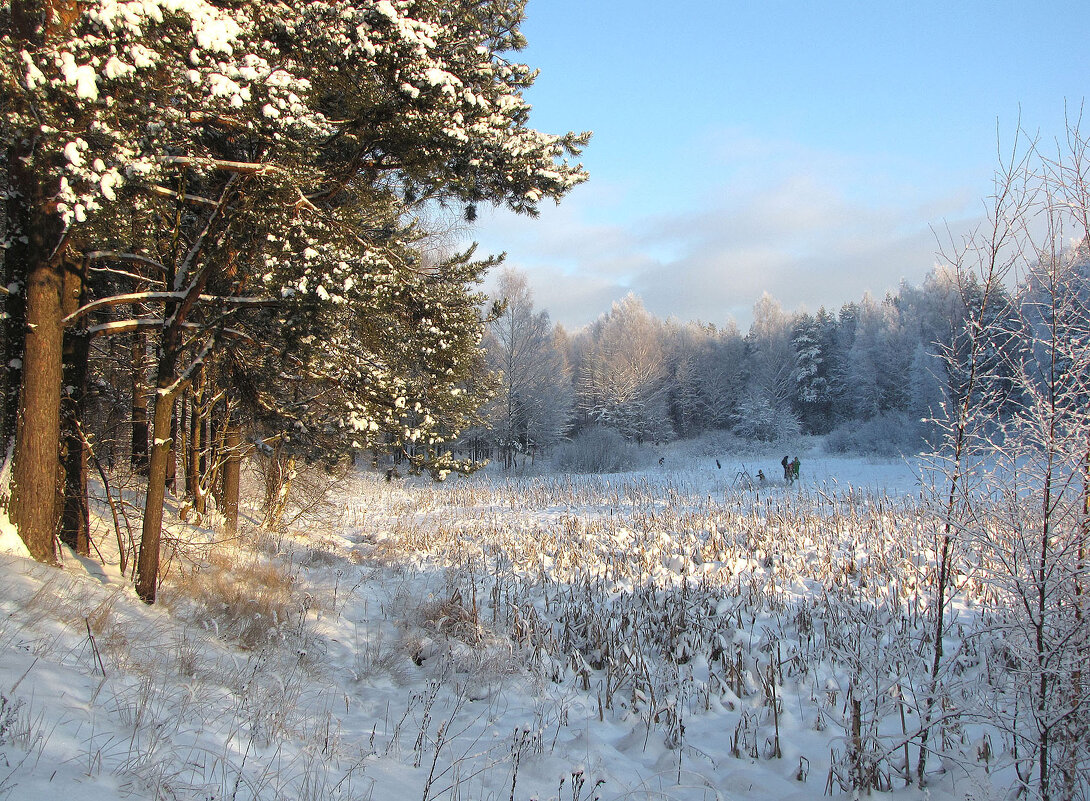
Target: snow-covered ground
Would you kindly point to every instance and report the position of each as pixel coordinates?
(660, 635)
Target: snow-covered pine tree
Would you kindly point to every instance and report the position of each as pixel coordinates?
(206, 112)
(705, 362)
(764, 411)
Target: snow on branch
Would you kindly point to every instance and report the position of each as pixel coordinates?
(240, 167)
(254, 302)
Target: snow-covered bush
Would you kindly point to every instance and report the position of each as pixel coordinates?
(762, 417)
(888, 434)
(597, 450)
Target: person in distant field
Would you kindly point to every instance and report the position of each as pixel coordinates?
(761, 478)
(795, 470)
(786, 469)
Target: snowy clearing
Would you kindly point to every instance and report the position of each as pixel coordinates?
(652, 635)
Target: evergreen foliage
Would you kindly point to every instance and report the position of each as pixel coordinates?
(248, 182)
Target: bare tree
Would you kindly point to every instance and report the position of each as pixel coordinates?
(623, 379)
(1017, 431)
(979, 265)
(533, 405)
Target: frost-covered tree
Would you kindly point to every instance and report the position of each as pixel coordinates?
(765, 409)
(1016, 458)
(533, 404)
(814, 340)
(706, 363)
(984, 261)
(877, 368)
(622, 378)
(1037, 545)
(689, 346)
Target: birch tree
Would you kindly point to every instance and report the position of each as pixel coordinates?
(623, 378)
(533, 404)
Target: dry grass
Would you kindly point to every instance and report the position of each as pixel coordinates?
(247, 601)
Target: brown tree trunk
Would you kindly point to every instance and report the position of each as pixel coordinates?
(37, 260)
(182, 445)
(232, 469)
(147, 569)
(217, 445)
(75, 515)
(16, 220)
(37, 441)
(172, 459)
(139, 402)
(194, 471)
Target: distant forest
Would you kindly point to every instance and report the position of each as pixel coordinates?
(871, 375)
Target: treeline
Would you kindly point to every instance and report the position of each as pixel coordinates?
(875, 376)
(216, 241)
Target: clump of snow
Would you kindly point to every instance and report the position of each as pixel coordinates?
(10, 541)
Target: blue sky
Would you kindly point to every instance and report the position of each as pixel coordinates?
(806, 149)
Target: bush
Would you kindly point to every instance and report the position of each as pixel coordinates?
(597, 450)
(758, 418)
(888, 434)
(727, 444)
(250, 602)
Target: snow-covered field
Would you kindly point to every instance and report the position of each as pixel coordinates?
(656, 635)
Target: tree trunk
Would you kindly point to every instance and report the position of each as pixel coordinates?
(37, 448)
(232, 469)
(35, 259)
(217, 446)
(75, 515)
(193, 473)
(182, 445)
(147, 570)
(16, 220)
(139, 402)
(172, 459)
(167, 388)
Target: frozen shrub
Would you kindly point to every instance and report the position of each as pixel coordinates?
(597, 450)
(246, 601)
(758, 418)
(9, 714)
(888, 434)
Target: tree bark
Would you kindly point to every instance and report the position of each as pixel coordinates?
(75, 515)
(232, 469)
(16, 220)
(139, 402)
(194, 470)
(36, 260)
(147, 569)
(38, 433)
(172, 459)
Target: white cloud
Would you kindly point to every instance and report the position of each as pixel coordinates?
(810, 229)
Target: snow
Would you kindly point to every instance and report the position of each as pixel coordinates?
(81, 76)
(411, 649)
(386, 9)
(10, 542)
